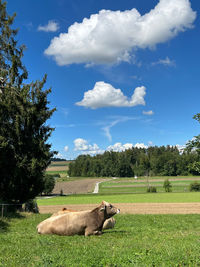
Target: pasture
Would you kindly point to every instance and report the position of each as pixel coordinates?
(122, 198)
(136, 240)
(130, 185)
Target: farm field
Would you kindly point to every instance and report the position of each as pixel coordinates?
(125, 185)
(136, 240)
(58, 167)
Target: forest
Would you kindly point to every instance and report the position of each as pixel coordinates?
(152, 161)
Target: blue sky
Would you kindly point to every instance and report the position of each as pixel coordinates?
(123, 73)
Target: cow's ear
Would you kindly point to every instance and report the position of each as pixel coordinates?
(102, 207)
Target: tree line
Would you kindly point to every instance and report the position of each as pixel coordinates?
(151, 161)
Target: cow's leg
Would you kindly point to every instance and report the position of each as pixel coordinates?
(92, 232)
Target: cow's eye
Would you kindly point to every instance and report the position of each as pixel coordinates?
(111, 206)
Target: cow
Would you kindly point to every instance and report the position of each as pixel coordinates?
(108, 224)
(79, 223)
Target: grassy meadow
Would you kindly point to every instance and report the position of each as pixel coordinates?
(130, 185)
(122, 198)
(136, 240)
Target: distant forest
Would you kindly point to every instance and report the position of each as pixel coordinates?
(58, 159)
(152, 161)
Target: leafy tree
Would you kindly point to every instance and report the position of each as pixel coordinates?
(167, 186)
(195, 187)
(49, 183)
(24, 151)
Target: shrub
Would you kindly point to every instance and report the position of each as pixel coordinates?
(31, 206)
(151, 189)
(195, 187)
(167, 186)
(49, 183)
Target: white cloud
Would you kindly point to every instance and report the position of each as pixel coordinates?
(105, 95)
(150, 112)
(140, 145)
(52, 26)
(117, 147)
(66, 148)
(85, 148)
(166, 62)
(110, 36)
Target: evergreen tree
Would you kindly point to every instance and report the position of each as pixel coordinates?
(24, 151)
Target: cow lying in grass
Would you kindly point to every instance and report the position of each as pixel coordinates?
(108, 224)
(78, 223)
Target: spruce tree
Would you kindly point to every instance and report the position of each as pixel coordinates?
(24, 151)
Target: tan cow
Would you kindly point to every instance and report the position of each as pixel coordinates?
(108, 224)
(78, 223)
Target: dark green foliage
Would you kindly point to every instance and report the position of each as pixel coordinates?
(194, 168)
(167, 186)
(31, 206)
(49, 183)
(151, 189)
(152, 161)
(195, 187)
(24, 151)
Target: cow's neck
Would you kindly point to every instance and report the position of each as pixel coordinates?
(100, 215)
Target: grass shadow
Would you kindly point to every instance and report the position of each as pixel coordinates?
(115, 231)
(5, 221)
(3, 226)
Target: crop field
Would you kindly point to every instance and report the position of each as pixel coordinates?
(59, 167)
(136, 240)
(125, 185)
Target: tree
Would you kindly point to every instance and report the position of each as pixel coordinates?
(49, 183)
(24, 151)
(167, 186)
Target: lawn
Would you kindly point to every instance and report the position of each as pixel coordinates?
(136, 240)
(122, 198)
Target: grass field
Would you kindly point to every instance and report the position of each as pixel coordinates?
(122, 198)
(136, 240)
(127, 185)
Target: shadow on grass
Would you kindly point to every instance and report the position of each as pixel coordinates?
(115, 231)
(5, 221)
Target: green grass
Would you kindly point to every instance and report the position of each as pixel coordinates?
(123, 198)
(136, 240)
(118, 186)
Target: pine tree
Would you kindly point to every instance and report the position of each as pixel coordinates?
(24, 151)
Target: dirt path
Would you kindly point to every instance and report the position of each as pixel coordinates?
(135, 208)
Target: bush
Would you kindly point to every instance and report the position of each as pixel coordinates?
(151, 189)
(31, 206)
(195, 187)
(167, 186)
(49, 183)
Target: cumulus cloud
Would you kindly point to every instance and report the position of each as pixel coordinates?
(150, 112)
(166, 62)
(105, 95)
(110, 36)
(51, 26)
(85, 148)
(140, 145)
(117, 147)
(66, 148)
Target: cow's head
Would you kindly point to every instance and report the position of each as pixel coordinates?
(109, 209)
